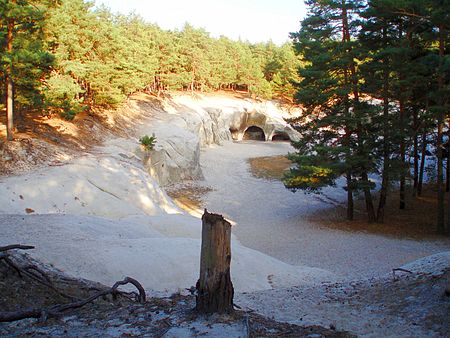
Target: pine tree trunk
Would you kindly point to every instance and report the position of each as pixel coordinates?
(350, 206)
(447, 168)
(368, 197)
(383, 196)
(9, 108)
(440, 122)
(214, 288)
(440, 178)
(9, 84)
(416, 152)
(402, 157)
(386, 164)
(386, 159)
(422, 163)
(354, 81)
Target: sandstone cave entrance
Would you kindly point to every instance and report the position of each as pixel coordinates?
(254, 133)
(281, 137)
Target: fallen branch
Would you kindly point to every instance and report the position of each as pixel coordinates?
(11, 264)
(57, 310)
(399, 269)
(40, 276)
(16, 246)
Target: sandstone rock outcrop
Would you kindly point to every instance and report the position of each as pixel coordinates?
(186, 123)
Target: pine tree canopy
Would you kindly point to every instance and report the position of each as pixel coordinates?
(374, 78)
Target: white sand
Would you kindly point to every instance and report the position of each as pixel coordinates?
(103, 217)
(271, 219)
(107, 250)
(368, 308)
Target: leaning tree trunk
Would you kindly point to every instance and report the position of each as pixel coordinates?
(214, 288)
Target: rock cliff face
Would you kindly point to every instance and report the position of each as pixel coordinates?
(184, 124)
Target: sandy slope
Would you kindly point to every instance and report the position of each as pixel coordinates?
(102, 216)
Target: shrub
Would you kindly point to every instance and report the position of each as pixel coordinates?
(148, 141)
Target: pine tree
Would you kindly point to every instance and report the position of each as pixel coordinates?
(381, 38)
(24, 62)
(338, 140)
(434, 17)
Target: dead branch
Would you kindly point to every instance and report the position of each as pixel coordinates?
(40, 273)
(11, 264)
(399, 269)
(16, 246)
(40, 276)
(57, 310)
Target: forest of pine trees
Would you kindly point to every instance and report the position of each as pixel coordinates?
(375, 87)
(372, 77)
(66, 56)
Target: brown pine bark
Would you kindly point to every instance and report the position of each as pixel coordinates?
(9, 83)
(214, 288)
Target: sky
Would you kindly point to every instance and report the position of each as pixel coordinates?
(252, 20)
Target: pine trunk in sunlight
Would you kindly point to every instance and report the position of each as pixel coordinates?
(9, 82)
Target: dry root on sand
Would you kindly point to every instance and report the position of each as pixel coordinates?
(40, 276)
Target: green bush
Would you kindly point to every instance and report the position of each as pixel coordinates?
(148, 141)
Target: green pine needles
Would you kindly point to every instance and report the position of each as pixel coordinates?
(374, 89)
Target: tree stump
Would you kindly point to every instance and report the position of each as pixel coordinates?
(214, 288)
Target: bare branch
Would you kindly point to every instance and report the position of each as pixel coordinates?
(57, 310)
(16, 246)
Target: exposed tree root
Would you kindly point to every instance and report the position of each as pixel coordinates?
(57, 310)
(40, 276)
(30, 271)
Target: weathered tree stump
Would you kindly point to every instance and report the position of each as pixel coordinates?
(214, 288)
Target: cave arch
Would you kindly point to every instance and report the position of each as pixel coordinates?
(254, 133)
(281, 137)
